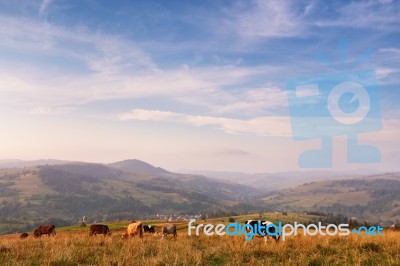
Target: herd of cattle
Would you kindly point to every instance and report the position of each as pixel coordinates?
(133, 229)
(138, 228)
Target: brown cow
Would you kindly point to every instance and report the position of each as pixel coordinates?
(47, 229)
(23, 235)
(134, 229)
(99, 229)
(169, 229)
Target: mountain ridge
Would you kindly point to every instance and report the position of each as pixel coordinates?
(62, 193)
(283, 180)
(136, 165)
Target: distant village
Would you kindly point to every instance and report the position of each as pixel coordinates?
(158, 216)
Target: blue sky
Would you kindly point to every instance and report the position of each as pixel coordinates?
(184, 85)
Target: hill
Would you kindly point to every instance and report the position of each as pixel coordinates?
(136, 166)
(374, 197)
(283, 180)
(131, 189)
(124, 190)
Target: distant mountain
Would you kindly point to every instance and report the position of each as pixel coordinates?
(282, 180)
(136, 166)
(61, 192)
(131, 189)
(373, 197)
(20, 163)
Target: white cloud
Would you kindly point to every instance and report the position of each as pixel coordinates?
(117, 69)
(310, 7)
(102, 53)
(43, 6)
(383, 72)
(395, 51)
(265, 19)
(34, 87)
(253, 101)
(261, 126)
(387, 67)
(151, 115)
(121, 69)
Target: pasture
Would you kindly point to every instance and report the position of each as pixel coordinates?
(73, 246)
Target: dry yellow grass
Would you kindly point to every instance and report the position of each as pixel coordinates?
(76, 248)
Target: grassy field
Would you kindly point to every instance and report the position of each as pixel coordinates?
(72, 246)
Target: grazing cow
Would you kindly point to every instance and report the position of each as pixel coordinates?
(47, 229)
(134, 229)
(23, 235)
(266, 232)
(100, 229)
(149, 229)
(169, 229)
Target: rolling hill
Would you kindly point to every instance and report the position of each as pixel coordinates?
(373, 197)
(131, 189)
(283, 180)
(137, 166)
(124, 190)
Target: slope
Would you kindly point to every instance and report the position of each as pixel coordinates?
(374, 197)
(63, 193)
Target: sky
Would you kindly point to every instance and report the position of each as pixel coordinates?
(196, 85)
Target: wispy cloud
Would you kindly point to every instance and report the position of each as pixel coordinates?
(262, 126)
(394, 51)
(117, 69)
(388, 67)
(383, 72)
(43, 6)
(101, 52)
(34, 87)
(221, 66)
(246, 102)
(254, 101)
(310, 7)
(265, 19)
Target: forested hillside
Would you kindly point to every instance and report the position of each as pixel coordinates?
(375, 197)
(61, 194)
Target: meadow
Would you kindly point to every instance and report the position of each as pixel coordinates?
(73, 246)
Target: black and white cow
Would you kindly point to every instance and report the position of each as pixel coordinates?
(149, 229)
(267, 230)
